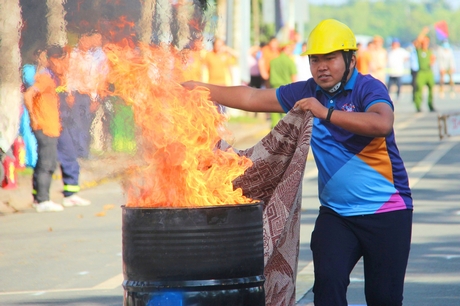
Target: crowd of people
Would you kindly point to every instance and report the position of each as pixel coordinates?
(271, 64)
(417, 60)
(278, 63)
(62, 108)
(68, 109)
(389, 65)
(66, 96)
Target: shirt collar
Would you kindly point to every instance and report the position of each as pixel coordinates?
(349, 85)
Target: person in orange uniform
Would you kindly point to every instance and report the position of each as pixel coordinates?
(379, 57)
(363, 58)
(195, 68)
(218, 63)
(269, 51)
(42, 102)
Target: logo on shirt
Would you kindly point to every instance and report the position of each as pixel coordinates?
(348, 107)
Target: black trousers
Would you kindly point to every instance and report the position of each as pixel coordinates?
(45, 166)
(81, 118)
(414, 83)
(397, 81)
(69, 148)
(383, 240)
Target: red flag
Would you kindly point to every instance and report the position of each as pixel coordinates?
(442, 31)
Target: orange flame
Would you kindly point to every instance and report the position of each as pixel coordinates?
(178, 133)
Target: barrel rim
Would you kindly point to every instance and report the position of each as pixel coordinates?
(259, 202)
(141, 286)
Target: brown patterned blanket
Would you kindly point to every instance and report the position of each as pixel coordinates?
(276, 178)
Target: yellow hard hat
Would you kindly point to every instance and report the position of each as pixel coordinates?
(328, 36)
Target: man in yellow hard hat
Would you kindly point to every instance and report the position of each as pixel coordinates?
(366, 204)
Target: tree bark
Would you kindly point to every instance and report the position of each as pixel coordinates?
(10, 79)
(146, 21)
(183, 15)
(57, 25)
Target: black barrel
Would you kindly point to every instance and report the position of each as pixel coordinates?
(193, 256)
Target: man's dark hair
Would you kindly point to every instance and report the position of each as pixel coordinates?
(88, 32)
(39, 49)
(55, 51)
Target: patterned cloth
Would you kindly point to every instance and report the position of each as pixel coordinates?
(276, 178)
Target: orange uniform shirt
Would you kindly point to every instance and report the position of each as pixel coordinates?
(218, 65)
(268, 54)
(45, 109)
(194, 69)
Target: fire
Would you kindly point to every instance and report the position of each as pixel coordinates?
(178, 131)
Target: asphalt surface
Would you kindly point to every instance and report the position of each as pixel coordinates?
(74, 257)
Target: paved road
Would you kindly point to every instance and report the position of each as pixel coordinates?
(67, 258)
(74, 257)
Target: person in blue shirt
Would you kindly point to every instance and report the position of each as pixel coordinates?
(414, 66)
(366, 204)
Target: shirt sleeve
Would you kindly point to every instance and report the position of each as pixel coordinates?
(289, 94)
(373, 91)
(43, 82)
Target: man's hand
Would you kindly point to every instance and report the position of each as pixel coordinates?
(317, 109)
(93, 106)
(190, 84)
(70, 99)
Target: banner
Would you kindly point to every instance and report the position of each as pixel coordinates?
(442, 31)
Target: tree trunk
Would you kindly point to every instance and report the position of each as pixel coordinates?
(256, 21)
(221, 31)
(146, 21)
(182, 14)
(198, 21)
(10, 79)
(57, 34)
(164, 13)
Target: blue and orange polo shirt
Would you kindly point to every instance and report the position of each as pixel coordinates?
(357, 175)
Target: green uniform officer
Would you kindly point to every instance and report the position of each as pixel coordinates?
(425, 75)
(283, 71)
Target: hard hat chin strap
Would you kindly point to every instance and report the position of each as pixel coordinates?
(347, 56)
(335, 88)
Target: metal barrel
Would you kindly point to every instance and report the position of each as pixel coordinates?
(193, 256)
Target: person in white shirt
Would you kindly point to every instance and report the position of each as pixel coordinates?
(446, 64)
(303, 65)
(88, 67)
(379, 58)
(397, 58)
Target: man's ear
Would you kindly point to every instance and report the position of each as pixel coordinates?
(353, 61)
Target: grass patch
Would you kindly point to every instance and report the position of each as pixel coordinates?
(25, 171)
(245, 119)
